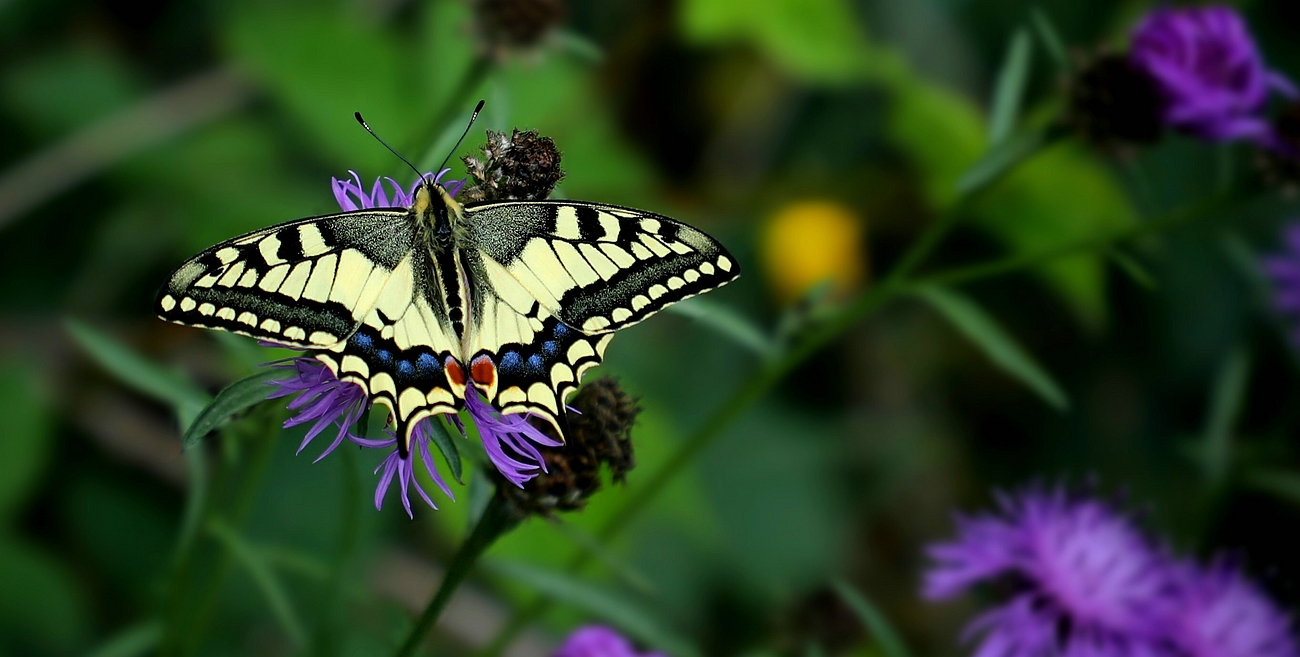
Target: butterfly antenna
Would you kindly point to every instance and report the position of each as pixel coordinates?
(390, 148)
(477, 108)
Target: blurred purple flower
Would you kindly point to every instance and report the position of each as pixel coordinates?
(598, 641)
(1284, 270)
(351, 195)
(1223, 614)
(1085, 581)
(1209, 71)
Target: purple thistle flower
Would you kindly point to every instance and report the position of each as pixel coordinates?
(508, 440)
(322, 399)
(1284, 270)
(1223, 614)
(351, 195)
(1209, 70)
(598, 641)
(1086, 582)
(403, 470)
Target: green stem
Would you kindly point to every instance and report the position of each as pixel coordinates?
(457, 102)
(497, 519)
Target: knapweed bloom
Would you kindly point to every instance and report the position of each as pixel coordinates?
(1209, 71)
(1084, 581)
(330, 404)
(1221, 613)
(598, 641)
(351, 194)
(1284, 271)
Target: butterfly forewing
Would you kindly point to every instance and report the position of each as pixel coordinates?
(597, 268)
(307, 283)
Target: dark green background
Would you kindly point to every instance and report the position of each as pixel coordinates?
(711, 111)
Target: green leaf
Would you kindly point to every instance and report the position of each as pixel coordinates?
(139, 639)
(447, 445)
(890, 642)
(1001, 158)
(1051, 39)
(815, 40)
(1133, 268)
(26, 447)
(728, 323)
(135, 370)
(1282, 484)
(1010, 90)
(1225, 406)
(264, 577)
(984, 332)
(600, 603)
(232, 400)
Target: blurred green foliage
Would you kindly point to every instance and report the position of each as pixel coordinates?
(712, 111)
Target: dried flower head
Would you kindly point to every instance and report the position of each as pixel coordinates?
(1114, 103)
(600, 428)
(507, 25)
(1209, 71)
(524, 166)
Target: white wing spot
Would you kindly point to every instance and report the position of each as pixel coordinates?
(707, 268)
(676, 283)
(247, 318)
(227, 314)
(621, 315)
(603, 266)
(272, 280)
(650, 225)
(228, 255)
(618, 255)
(207, 309)
(655, 245)
(167, 303)
(322, 338)
(296, 280)
(271, 325)
(187, 304)
(639, 301)
(595, 323)
(657, 291)
(269, 247)
(566, 223)
(249, 277)
(295, 333)
(313, 243)
(641, 252)
(691, 275)
(609, 223)
(723, 263)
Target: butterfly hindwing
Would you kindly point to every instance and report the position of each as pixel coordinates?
(307, 283)
(597, 268)
(403, 353)
(528, 362)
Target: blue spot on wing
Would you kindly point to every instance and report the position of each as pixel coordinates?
(405, 367)
(363, 341)
(384, 356)
(427, 363)
(535, 363)
(561, 330)
(511, 362)
(550, 347)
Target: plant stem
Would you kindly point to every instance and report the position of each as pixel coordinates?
(497, 519)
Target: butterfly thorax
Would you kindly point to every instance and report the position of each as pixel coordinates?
(440, 217)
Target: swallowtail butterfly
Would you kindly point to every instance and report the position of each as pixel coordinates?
(515, 298)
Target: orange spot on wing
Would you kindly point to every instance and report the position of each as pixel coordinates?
(455, 373)
(483, 370)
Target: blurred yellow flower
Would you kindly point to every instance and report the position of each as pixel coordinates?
(807, 243)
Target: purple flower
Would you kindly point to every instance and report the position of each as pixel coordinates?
(1223, 614)
(508, 440)
(1085, 581)
(322, 399)
(351, 195)
(1284, 270)
(1209, 71)
(598, 641)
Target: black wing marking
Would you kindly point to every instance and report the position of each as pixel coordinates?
(597, 268)
(307, 283)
